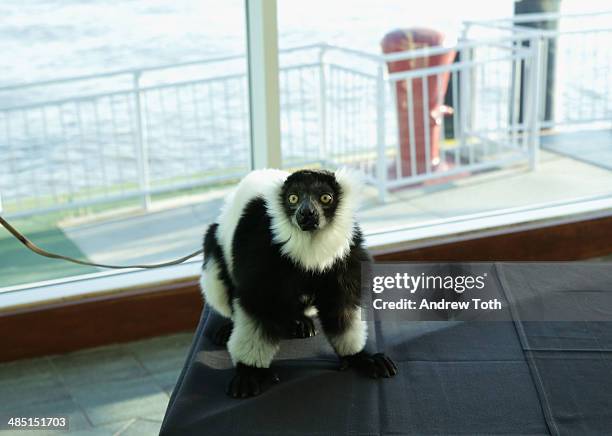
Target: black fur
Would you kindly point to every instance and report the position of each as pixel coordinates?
(270, 286)
(275, 291)
(212, 250)
(315, 184)
(250, 381)
(299, 327)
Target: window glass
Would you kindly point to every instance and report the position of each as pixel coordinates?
(121, 128)
(501, 115)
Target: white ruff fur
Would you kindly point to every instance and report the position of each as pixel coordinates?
(214, 290)
(247, 343)
(353, 339)
(318, 250)
(313, 251)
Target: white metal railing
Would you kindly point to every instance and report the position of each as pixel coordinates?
(134, 136)
(575, 64)
(392, 125)
(131, 134)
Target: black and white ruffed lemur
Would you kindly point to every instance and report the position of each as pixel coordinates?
(286, 246)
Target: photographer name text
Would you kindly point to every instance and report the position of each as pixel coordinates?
(424, 304)
(410, 285)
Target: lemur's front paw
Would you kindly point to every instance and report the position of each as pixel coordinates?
(372, 365)
(222, 334)
(249, 381)
(302, 328)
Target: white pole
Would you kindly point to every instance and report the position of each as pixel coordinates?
(144, 179)
(381, 168)
(322, 108)
(264, 100)
(534, 102)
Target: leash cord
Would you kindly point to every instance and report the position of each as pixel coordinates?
(36, 249)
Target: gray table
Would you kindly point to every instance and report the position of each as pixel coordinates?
(502, 377)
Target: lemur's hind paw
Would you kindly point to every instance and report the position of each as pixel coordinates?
(302, 328)
(372, 365)
(249, 381)
(222, 334)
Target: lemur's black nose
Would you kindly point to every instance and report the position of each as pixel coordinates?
(306, 212)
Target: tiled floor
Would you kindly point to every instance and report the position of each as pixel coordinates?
(113, 390)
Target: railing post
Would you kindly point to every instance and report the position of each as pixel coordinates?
(467, 94)
(465, 30)
(534, 101)
(142, 152)
(542, 53)
(514, 100)
(464, 98)
(322, 106)
(381, 162)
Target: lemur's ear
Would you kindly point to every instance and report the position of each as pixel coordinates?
(350, 178)
(352, 183)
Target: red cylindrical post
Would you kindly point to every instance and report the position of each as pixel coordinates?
(435, 88)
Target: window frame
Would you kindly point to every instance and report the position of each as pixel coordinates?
(379, 243)
(264, 113)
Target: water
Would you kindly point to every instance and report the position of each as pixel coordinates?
(67, 149)
(49, 39)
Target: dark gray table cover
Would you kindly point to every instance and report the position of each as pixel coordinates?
(520, 377)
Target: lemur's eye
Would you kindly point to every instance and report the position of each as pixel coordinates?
(293, 199)
(326, 198)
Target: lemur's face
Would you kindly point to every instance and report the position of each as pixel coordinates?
(310, 198)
